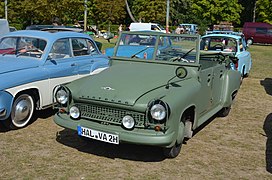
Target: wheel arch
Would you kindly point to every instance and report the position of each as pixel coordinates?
(187, 114)
(34, 92)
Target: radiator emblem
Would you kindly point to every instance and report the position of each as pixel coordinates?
(107, 88)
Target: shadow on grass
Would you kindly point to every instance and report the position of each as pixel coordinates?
(41, 114)
(267, 127)
(123, 151)
(267, 84)
(46, 113)
(204, 125)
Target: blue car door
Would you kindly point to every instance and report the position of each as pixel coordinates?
(83, 50)
(244, 63)
(60, 64)
(88, 56)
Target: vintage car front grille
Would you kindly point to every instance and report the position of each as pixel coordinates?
(109, 115)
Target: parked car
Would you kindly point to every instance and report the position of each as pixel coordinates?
(11, 29)
(33, 63)
(257, 32)
(190, 28)
(4, 27)
(146, 27)
(230, 43)
(158, 101)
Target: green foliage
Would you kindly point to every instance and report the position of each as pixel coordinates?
(264, 11)
(216, 11)
(149, 11)
(107, 12)
(29, 12)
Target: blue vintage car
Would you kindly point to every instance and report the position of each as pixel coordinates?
(229, 43)
(139, 46)
(33, 63)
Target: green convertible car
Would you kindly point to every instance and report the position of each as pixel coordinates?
(158, 89)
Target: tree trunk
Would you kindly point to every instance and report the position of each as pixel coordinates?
(129, 12)
(254, 12)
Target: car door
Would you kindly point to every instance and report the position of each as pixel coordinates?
(217, 84)
(205, 95)
(60, 65)
(244, 63)
(86, 54)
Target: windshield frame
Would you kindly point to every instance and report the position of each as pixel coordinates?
(158, 35)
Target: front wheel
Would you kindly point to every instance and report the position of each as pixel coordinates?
(173, 151)
(224, 111)
(21, 112)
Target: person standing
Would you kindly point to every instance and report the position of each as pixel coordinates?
(120, 29)
(178, 30)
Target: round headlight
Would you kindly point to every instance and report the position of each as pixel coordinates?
(128, 122)
(62, 96)
(158, 112)
(74, 112)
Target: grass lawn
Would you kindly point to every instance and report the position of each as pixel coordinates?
(238, 146)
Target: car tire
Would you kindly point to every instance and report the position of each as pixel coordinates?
(22, 112)
(224, 112)
(173, 151)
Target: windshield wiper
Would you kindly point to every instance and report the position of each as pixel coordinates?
(184, 55)
(134, 55)
(181, 58)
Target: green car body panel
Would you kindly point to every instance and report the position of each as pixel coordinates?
(133, 85)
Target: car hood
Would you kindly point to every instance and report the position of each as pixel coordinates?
(123, 83)
(10, 64)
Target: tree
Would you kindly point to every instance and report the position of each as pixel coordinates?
(181, 12)
(149, 11)
(108, 11)
(215, 11)
(264, 11)
(247, 12)
(28, 12)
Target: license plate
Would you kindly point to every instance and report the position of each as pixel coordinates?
(98, 135)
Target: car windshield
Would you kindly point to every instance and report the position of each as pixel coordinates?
(226, 44)
(22, 46)
(161, 46)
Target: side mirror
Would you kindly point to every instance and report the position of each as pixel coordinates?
(181, 72)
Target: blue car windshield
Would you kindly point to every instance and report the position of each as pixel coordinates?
(164, 47)
(22, 46)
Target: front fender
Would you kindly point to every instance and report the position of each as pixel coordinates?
(6, 100)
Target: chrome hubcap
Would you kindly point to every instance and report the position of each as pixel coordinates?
(22, 110)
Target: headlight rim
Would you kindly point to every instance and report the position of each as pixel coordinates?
(162, 103)
(66, 90)
(156, 106)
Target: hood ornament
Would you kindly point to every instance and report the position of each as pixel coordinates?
(107, 88)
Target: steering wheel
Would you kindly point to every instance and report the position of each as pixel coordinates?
(218, 46)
